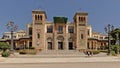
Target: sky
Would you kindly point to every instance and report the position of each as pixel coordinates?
(100, 12)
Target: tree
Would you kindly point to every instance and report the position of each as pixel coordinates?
(4, 46)
(115, 40)
(113, 34)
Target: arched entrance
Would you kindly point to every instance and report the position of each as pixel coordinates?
(60, 45)
(50, 47)
(60, 42)
(49, 43)
(88, 45)
(70, 44)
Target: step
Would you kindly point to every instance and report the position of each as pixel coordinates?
(53, 54)
(60, 52)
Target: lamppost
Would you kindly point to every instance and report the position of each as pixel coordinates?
(11, 27)
(117, 42)
(108, 30)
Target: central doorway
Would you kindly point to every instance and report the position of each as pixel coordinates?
(70, 45)
(60, 45)
(50, 46)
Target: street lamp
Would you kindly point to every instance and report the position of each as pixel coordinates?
(11, 27)
(117, 42)
(108, 30)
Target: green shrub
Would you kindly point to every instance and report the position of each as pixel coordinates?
(4, 46)
(31, 52)
(5, 54)
(96, 51)
(22, 52)
(32, 47)
(104, 51)
(92, 52)
(28, 51)
(113, 53)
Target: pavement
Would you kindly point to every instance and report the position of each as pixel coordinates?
(61, 60)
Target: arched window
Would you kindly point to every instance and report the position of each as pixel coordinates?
(84, 18)
(35, 17)
(38, 17)
(79, 18)
(41, 17)
(38, 36)
(82, 36)
(88, 32)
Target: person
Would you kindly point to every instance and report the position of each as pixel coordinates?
(88, 53)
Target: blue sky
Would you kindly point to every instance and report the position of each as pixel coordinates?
(101, 12)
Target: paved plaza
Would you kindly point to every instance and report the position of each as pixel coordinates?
(60, 60)
(66, 57)
(64, 65)
(30, 61)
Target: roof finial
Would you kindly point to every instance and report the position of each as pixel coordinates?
(80, 9)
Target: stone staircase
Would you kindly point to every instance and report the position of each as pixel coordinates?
(54, 54)
(61, 53)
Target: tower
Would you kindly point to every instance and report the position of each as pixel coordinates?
(80, 20)
(38, 32)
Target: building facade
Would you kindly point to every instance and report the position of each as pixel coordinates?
(21, 39)
(58, 34)
(16, 35)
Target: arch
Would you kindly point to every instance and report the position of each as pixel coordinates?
(38, 35)
(79, 18)
(41, 17)
(61, 38)
(49, 39)
(82, 36)
(70, 39)
(84, 18)
(36, 17)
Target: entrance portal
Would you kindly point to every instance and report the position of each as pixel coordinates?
(49, 45)
(70, 45)
(60, 45)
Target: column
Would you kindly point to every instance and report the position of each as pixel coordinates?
(16, 44)
(56, 45)
(96, 45)
(46, 46)
(90, 44)
(23, 44)
(67, 45)
(28, 43)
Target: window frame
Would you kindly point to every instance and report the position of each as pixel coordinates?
(60, 29)
(70, 29)
(49, 29)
